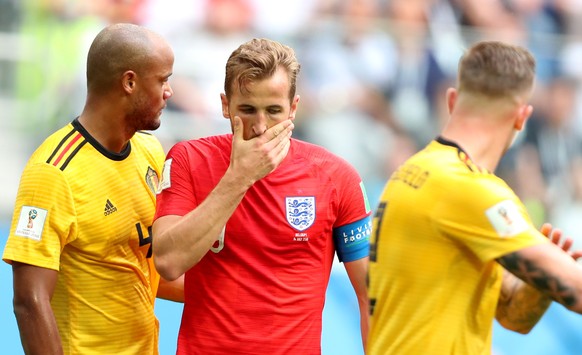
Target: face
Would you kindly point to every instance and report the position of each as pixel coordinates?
(264, 105)
(152, 91)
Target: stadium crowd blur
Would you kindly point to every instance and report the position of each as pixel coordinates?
(372, 85)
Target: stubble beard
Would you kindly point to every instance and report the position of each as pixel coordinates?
(143, 118)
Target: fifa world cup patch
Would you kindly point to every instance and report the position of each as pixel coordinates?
(506, 219)
(31, 222)
(166, 183)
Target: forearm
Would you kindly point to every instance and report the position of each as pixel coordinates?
(364, 320)
(172, 290)
(357, 271)
(181, 243)
(520, 306)
(550, 270)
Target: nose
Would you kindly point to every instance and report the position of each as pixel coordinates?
(260, 124)
(168, 92)
(259, 129)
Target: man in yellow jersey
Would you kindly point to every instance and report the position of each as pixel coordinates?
(451, 242)
(80, 240)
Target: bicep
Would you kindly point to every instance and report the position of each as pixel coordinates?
(550, 270)
(32, 283)
(33, 288)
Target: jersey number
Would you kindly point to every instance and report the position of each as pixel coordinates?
(376, 226)
(377, 223)
(145, 241)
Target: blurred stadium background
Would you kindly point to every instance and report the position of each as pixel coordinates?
(372, 90)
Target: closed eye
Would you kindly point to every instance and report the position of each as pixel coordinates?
(248, 110)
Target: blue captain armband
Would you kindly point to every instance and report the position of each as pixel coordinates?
(352, 241)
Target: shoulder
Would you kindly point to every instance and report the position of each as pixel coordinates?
(45, 172)
(208, 151)
(317, 155)
(451, 164)
(148, 147)
(59, 139)
(328, 167)
(446, 170)
(147, 140)
(145, 136)
(205, 145)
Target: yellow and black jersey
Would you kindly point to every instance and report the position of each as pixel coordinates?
(87, 213)
(439, 227)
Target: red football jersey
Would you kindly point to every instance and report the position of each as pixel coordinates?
(263, 290)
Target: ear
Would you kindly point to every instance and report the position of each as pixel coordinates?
(128, 81)
(451, 97)
(523, 114)
(225, 110)
(294, 105)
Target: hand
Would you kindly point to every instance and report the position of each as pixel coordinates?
(555, 235)
(256, 158)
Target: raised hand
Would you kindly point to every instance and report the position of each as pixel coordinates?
(255, 158)
(556, 236)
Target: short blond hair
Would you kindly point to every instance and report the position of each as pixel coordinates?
(259, 59)
(496, 69)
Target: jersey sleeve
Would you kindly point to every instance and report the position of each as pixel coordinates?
(176, 194)
(44, 218)
(353, 226)
(487, 218)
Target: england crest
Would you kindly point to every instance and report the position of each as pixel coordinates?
(300, 212)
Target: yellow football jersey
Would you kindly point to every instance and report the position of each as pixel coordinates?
(433, 280)
(87, 213)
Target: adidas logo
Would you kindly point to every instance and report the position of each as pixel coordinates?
(109, 208)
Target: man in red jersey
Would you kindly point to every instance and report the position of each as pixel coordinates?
(273, 211)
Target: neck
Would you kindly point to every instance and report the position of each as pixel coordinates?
(107, 128)
(485, 141)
